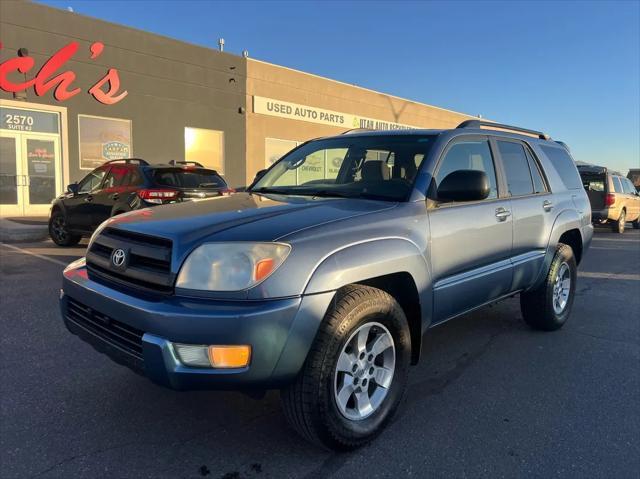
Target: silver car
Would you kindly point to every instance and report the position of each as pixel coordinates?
(322, 278)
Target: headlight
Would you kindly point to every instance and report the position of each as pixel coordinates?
(230, 266)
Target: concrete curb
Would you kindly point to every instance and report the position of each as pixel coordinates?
(13, 232)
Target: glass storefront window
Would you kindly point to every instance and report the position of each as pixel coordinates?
(205, 147)
(103, 139)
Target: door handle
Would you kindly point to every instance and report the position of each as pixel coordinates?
(502, 214)
(89, 198)
(547, 205)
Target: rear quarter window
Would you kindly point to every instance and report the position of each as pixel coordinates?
(188, 178)
(563, 163)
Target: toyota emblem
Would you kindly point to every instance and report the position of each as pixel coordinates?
(118, 257)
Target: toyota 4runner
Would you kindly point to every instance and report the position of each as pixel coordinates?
(322, 278)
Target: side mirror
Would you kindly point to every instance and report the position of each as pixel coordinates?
(259, 175)
(464, 185)
(73, 188)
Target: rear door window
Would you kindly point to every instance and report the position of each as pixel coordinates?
(116, 176)
(516, 167)
(627, 186)
(539, 186)
(563, 163)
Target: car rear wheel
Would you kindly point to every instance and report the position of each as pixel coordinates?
(618, 226)
(636, 224)
(355, 374)
(549, 305)
(59, 232)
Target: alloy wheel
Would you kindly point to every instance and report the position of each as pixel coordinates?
(364, 371)
(561, 288)
(58, 226)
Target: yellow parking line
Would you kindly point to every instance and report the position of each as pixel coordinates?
(24, 251)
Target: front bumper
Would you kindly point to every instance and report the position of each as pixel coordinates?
(280, 332)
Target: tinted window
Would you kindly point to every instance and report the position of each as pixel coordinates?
(188, 178)
(617, 186)
(92, 180)
(116, 176)
(134, 178)
(516, 168)
(627, 186)
(469, 155)
(539, 185)
(564, 165)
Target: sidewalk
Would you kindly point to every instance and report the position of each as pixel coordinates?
(16, 230)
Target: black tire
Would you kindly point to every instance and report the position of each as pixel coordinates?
(618, 226)
(636, 224)
(310, 405)
(537, 305)
(59, 232)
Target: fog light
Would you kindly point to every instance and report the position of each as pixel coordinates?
(203, 356)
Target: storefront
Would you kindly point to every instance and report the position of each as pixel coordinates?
(76, 91)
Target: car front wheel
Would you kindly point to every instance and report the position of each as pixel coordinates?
(59, 232)
(355, 374)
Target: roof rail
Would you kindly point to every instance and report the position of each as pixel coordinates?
(356, 130)
(194, 163)
(139, 161)
(480, 123)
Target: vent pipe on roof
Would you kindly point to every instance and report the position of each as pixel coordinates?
(221, 44)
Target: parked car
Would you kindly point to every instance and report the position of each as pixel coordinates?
(324, 289)
(614, 200)
(124, 185)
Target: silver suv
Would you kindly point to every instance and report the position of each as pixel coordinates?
(322, 278)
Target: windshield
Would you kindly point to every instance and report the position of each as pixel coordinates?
(378, 167)
(188, 178)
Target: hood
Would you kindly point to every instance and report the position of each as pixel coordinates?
(243, 216)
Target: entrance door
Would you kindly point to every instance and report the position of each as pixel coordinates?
(10, 174)
(29, 173)
(40, 160)
(30, 159)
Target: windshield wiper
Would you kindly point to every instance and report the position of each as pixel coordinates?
(342, 194)
(264, 189)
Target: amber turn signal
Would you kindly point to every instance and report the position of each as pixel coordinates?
(229, 356)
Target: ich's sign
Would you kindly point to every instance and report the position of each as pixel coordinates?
(295, 111)
(53, 76)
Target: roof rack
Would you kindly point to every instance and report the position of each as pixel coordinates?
(139, 161)
(356, 130)
(193, 163)
(480, 123)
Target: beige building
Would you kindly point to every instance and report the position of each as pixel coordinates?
(286, 107)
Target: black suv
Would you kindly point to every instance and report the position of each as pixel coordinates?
(124, 185)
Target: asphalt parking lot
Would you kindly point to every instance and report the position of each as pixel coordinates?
(491, 397)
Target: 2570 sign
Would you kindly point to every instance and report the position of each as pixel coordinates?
(52, 76)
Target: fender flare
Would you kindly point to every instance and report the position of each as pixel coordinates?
(370, 259)
(351, 264)
(565, 221)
